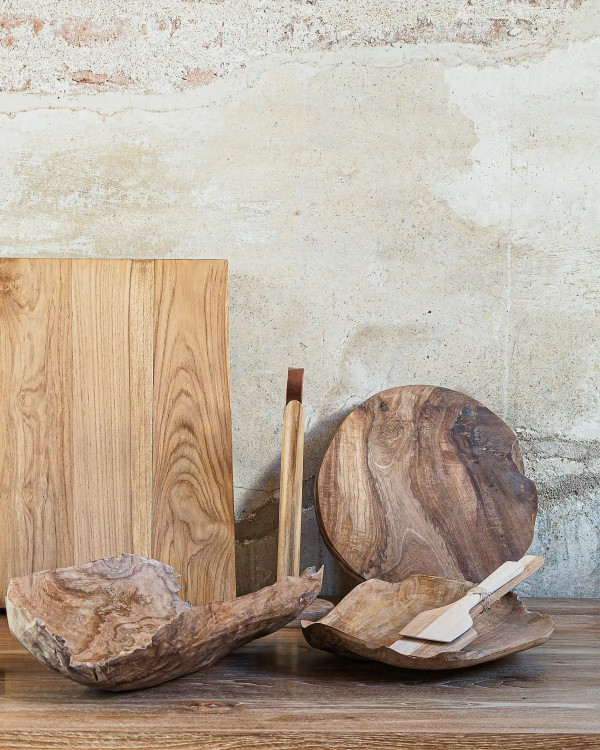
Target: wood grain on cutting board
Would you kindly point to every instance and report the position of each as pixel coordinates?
(422, 479)
(115, 420)
(36, 513)
(191, 459)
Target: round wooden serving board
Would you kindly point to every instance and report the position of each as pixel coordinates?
(421, 479)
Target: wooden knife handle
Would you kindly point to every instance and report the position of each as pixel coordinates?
(290, 491)
(530, 563)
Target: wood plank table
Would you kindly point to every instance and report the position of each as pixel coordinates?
(279, 693)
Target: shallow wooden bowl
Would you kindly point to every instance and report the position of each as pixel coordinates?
(118, 624)
(370, 617)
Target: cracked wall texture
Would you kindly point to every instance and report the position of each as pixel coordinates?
(406, 193)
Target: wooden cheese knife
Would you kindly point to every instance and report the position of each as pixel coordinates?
(417, 647)
(446, 624)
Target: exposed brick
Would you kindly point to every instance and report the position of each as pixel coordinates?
(155, 46)
(80, 32)
(100, 79)
(10, 22)
(86, 76)
(120, 79)
(198, 78)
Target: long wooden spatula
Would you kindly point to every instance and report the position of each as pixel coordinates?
(446, 624)
(290, 485)
(290, 495)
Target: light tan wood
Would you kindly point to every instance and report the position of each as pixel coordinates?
(531, 564)
(141, 387)
(36, 512)
(427, 649)
(290, 497)
(193, 527)
(446, 624)
(277, 692)
(118, 624)
(102, 443)
(421, 479)
(102, 414)
(368, 620)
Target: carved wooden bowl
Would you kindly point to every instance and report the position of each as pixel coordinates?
(118, 624)
(370, 617)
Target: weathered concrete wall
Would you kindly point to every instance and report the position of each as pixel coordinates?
(406, 193)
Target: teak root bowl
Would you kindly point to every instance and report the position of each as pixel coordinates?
(370, 617)
(118, 624)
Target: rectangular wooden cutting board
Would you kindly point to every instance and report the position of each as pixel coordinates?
(115, 426)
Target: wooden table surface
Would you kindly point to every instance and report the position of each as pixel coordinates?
(279, 693)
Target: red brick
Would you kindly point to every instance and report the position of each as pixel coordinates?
(198, 78)
(80, 32)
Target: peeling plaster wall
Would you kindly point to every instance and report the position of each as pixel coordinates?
(406, 193)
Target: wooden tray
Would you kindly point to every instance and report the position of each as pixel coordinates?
(370, 617)
(115, 429)
(422, 479)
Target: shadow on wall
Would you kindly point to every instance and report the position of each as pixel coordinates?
(256, 531)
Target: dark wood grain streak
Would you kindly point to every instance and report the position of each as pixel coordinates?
(422, 479)
(323, 740)
(278, 692)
